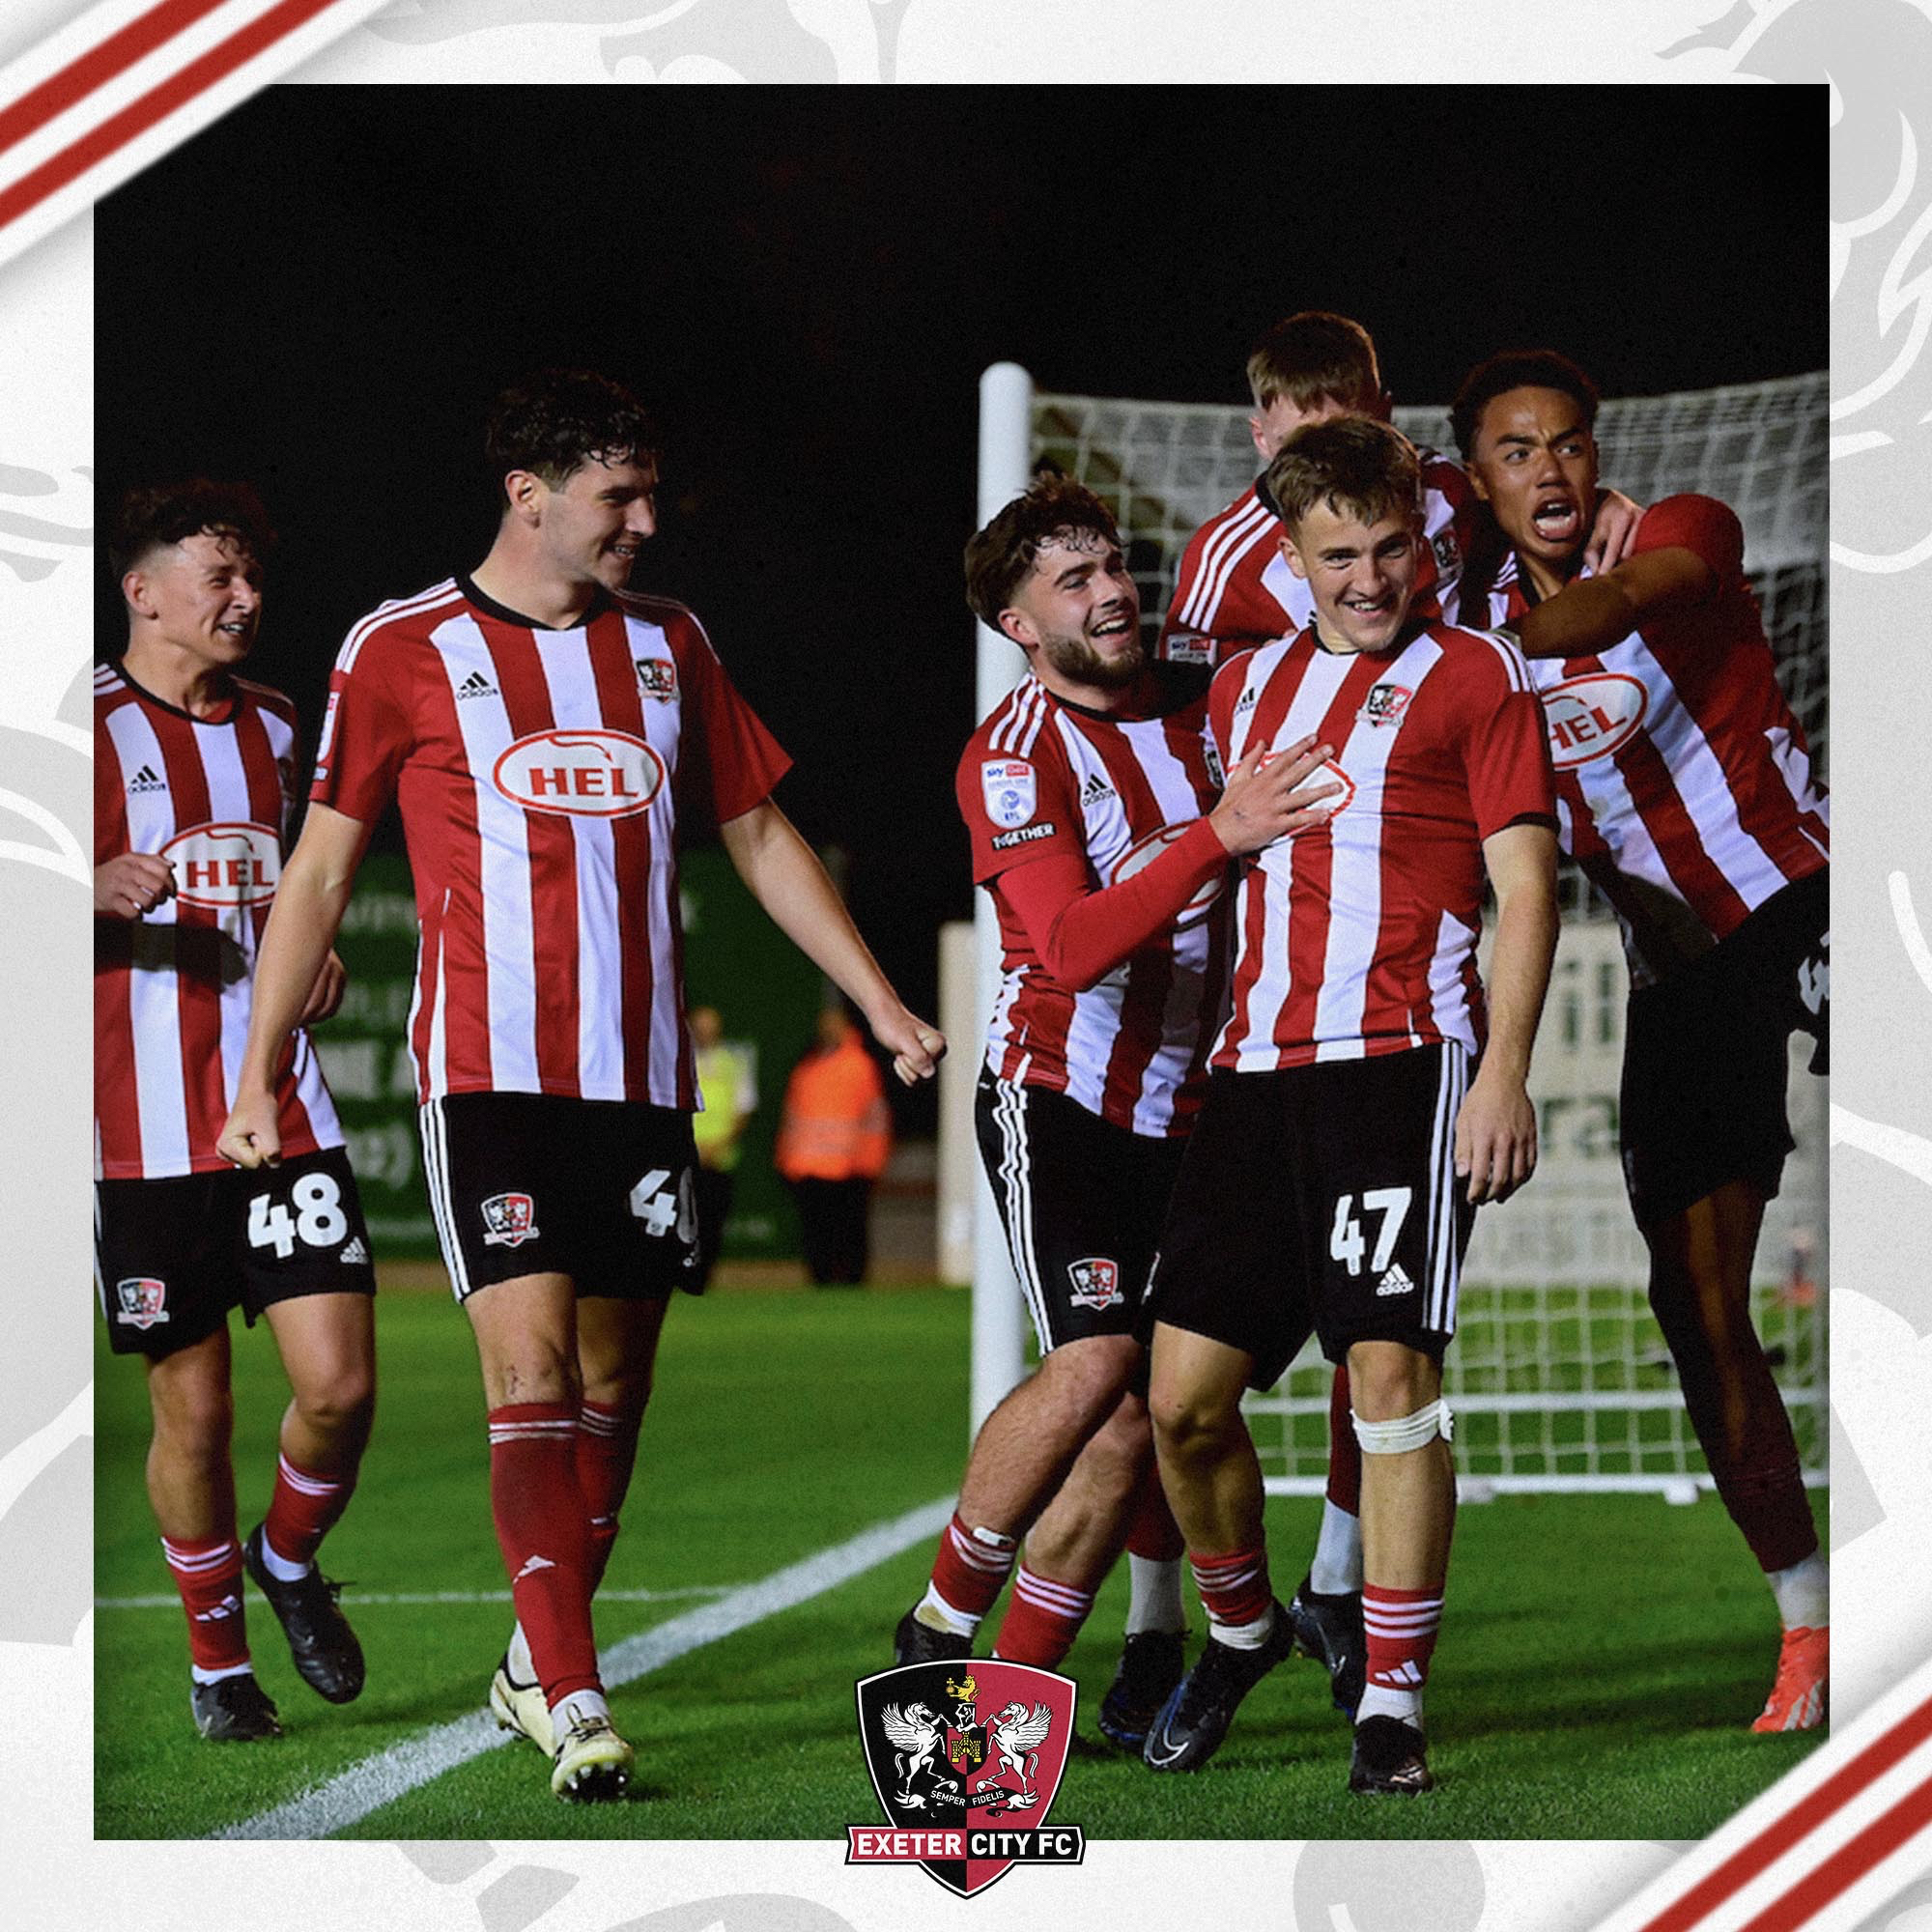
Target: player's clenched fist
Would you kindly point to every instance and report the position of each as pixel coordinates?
(917, 1048)
(1268, 796)
(253, 1135)
(132, 885)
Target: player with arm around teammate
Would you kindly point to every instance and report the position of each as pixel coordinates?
(1089, 797)
(533, 719)
(193, 790)
(1362, 1103)
(1685, 791)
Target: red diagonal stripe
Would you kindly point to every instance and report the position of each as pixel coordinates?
(1805, 1816)
(156, 104)
(98, 66)
(1848, 1864)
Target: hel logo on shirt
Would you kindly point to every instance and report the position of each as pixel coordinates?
(1448, 552)
(218, 866)
(1137, 858)
(1097, 1282)
(1010, 790)
(1592, 716)
(1386, 705)
(1189, 647)
(509, 1220)
(657, 677)
(965, 1758)
(579, 773)
(141, 1301)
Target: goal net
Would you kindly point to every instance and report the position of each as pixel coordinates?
(1559, 1375)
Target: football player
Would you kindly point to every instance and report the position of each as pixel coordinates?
(1366, 1095)
(533, 719)
(1685, 791)
(195, 774)
(1090, 795)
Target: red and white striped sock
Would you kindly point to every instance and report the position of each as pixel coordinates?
(968, 1574)
(1042, 1621)
(306, 1506)
(209, 1577)
(1400, 1627)
(606, 1451)
(1236, 1593)
(544, 1532)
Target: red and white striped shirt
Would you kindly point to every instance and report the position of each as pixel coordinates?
(1358, 936)
(1236, 590)
(1684, 784)
(1042, 777)
(537, 774)
(172, 989)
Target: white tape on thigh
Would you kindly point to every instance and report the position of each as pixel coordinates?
(1406, 1432)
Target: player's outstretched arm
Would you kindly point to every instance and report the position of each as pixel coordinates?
(1594, 613)
(310, 900)
(787, 879)
(1496, 1131)
(1082, 931)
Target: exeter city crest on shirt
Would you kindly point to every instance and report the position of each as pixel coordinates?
(509, 1220)
(140, 1301)
(1010, 790)
(965, 1757)
(1385, 704)
(657, 677)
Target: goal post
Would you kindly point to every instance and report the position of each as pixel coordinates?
(1559, 1375)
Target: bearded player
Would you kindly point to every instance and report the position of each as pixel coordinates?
(1685, 791)
(534, 719)
(1362, 1101)
(194, 771)
(1090, 794)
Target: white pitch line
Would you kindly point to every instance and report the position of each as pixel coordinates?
(171, 1600)
(349, 1796)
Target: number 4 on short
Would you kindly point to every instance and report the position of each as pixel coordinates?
(660, 1208)
(1345, 1239)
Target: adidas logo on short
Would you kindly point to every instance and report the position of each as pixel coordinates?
(476, 685)
(357, 1250)
(147, 779)
(1396, 1282)
(1096, 789)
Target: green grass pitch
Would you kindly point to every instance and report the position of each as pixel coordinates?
(1601, 1659)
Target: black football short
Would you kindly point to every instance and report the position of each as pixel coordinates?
(1705, 1056)
(604, 1192)
(1082, 1202)
(172, 1257)
(1321, 1198)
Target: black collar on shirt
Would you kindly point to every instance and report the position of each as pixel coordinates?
(601, 602)
(1173, 686)
(227, 717)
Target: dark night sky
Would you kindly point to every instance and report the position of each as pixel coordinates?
(322, 293)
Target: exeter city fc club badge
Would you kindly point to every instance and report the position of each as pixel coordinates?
(140, 1301)
(1097, 1282)
(657, 677)
(1386, 705)
(509, 1220)
(965, 1757)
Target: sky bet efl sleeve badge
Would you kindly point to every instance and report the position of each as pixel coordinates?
(965, 1757)
(1010, 790)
